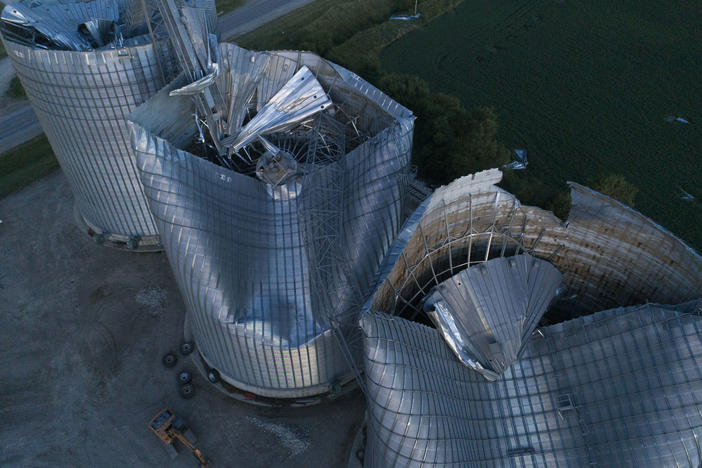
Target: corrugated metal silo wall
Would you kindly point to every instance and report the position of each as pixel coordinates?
(81, 100)
(240, 255)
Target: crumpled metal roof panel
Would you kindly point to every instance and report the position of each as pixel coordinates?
(60, 23)
(487, 312)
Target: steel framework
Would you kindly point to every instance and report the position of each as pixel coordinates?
(610, 255)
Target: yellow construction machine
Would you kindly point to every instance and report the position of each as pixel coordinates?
(171, 428)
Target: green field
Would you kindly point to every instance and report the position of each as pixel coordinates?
(585, 86)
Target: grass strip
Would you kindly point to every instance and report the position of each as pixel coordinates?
(26, 163)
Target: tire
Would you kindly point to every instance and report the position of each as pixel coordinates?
(187, 348)
(170, 360)
(184, 377)
(213, 376)
(187, 391)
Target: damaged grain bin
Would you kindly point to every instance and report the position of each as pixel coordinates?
(85, 66)
(491, 385)
(615, 256)
(275, 212)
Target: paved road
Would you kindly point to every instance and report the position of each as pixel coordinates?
(18, 126)
(255, 13)
(18, 123)
(6, 74)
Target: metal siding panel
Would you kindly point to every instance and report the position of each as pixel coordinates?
(81, 99)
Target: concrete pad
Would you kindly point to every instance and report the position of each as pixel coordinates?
(84, 329)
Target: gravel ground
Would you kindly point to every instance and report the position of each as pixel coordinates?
(80, 358)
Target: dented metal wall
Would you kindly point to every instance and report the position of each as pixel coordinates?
(465, 223)
(613, 388)
(621, 387)
(615, 256)
(269, 270)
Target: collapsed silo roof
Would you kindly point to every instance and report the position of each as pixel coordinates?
(487, 313)
(610, 255)
(611, 387)
(63, 26)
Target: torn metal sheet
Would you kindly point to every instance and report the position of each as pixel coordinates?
(613, 255)
(677, 120)
(196, 48)
(196, 87)
(69, 26)
(98, 30)
(685, 195)
(610, 254)
(487, 312)
(519, 161)
(297, 101)
(240, 85)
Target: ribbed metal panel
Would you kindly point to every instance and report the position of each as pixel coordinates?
(486, 313)
(264, 268)
(617, 388)
(616, 256)
(81, 100)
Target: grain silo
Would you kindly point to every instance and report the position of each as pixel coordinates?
(85, 66)
(274, 241)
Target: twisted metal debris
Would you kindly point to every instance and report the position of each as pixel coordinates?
(486, 313)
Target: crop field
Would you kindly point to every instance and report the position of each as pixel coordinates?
(585, 86)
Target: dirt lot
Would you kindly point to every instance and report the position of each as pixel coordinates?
(84, 328)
